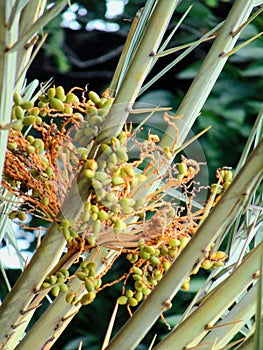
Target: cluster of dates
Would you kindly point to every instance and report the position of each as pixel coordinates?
(116, 214)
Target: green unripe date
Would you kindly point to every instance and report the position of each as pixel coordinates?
(154, 260)
(43, 98)
(149, 249)
(164, 251)
(101, 176)
(132, 301)
(66, 234)
(184, 241)
(129, 293)
(12, 146)
(45, 285)
(172, 252)
(29, 120)
(57, 104)
(145, 255)
(60, 93)
(136, 277)
(103, 215)
(182, 167)
(52, 279)
(89, 285)
(122, 300)
(30, 138)
(38, 120)
(138, 295)
(51, 92)
(92, 272)
(138, 285)
(137, 270)
(55, 291)
(174, 242)
(27, 105)
(94, 97)
(63, 287)
(88, 298)
(17, 99)
(96, 226)
(71, 98)
(39, 145)
(19, 112)
(92, 110)
(111, 197)
(68, 110)
(117, 180)
(81, 275)
(21, 216)
(69, 298)
(228, 175)
(166, 265)
(64, 272)
(89, 174)
(49, 171)
(98, 283)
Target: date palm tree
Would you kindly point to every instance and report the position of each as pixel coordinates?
(93, 151)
